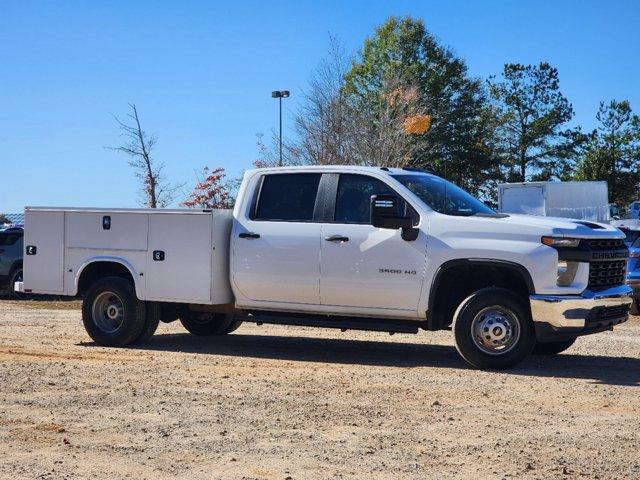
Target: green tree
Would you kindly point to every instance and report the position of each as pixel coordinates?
(532, 137)
(3, 219)
(402, 53)
(613, 154)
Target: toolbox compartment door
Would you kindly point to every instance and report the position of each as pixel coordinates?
(179, 258)
(44, 251)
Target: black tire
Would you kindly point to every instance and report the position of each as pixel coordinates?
(111, 312)
(634, 310)
(205, 324)
(552, 348)
(15, 276)
(153, 311)
(505, 319)
(233, 326)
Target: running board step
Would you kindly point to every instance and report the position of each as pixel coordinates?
(330, 321)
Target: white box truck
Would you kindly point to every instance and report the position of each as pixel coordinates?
(384, 249)
(579, 200)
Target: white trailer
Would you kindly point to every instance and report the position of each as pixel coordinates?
(579, 200)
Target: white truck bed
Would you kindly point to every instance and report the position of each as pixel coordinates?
(173, 255)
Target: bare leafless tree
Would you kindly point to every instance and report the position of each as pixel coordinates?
(320, 137)
(383, 126)
(138, 145)
(269, 155)
(321, 123)
(336, 127)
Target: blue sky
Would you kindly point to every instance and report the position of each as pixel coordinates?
(201, 74)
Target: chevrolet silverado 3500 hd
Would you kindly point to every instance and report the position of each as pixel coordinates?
(385, 249)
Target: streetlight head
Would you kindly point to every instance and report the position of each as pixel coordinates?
(280, 94)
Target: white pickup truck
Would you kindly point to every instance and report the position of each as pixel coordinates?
(385, 249)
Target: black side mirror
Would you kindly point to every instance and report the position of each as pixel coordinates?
(385, 213)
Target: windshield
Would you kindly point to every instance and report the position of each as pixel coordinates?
(444, 197)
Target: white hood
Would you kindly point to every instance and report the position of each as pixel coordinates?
(565, 227)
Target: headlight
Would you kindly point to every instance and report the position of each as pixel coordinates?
(560, 242)
(566, 273)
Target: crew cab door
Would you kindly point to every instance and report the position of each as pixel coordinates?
(276, 243)
(366, 268)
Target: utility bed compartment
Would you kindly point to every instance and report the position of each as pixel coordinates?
(173, 255)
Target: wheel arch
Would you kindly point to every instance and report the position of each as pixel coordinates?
(15, 265)
(98, 267)
(493, 273)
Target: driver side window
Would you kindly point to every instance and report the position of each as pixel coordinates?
(353, 200)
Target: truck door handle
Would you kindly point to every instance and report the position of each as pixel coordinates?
(249, 235)
(337, 238)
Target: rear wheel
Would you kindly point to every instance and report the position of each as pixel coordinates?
(552, 348)
(493, 329)
(111, 312)
(152, 315)
(207, 324)
(233, 326)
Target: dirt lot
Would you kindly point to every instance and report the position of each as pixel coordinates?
(283, 402)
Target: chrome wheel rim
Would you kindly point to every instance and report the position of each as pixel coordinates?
(495, 330)
(107, 312)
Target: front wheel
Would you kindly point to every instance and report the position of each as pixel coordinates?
(205, 324)
(16, 276)
(493, 329)
(552, 348)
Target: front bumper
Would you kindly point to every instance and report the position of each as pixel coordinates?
(560, 317)
(634, 283)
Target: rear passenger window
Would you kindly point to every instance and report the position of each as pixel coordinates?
(288, 197)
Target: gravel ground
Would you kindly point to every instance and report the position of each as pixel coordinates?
(276, 402)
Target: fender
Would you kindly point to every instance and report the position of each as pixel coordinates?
(487, 262)
(138, 279)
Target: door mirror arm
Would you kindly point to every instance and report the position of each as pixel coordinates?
(409, 234)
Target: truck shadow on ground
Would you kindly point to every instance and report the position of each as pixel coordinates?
(599, 369)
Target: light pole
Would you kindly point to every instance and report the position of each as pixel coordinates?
(280, 94)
